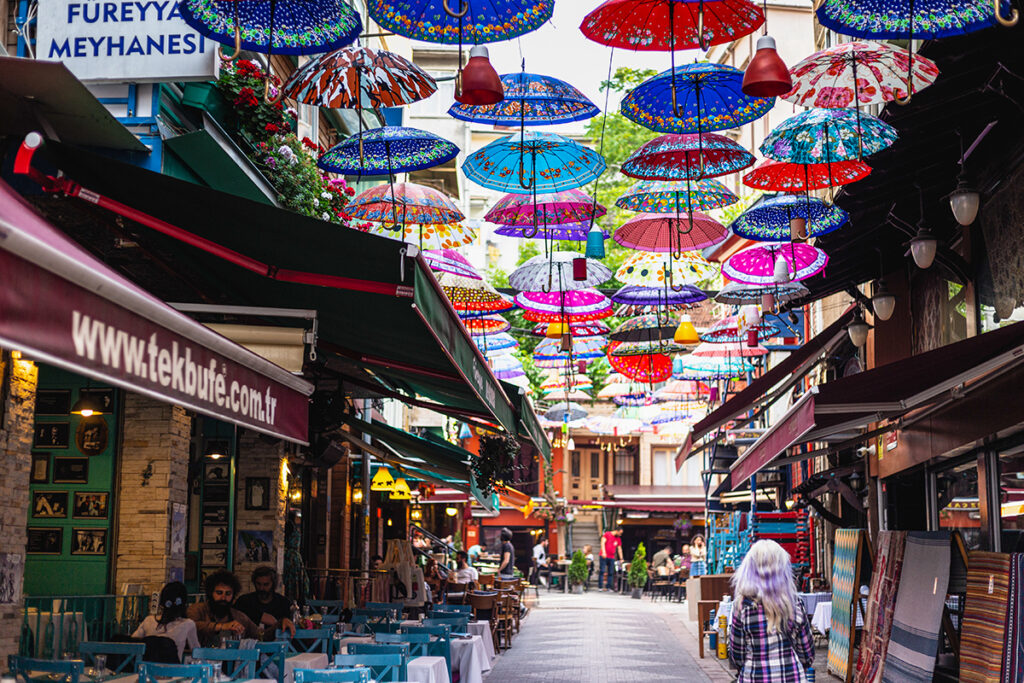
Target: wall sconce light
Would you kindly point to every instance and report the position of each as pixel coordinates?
(416, 513)
(357, 494)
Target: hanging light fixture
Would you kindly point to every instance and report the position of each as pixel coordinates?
(595, 243)
(798, 228)
(416, 513)
(781, 273)
(883, 303)
(570, 444)
(964, 201)
(382, 480)
(581, 366)
(686, 333)
(858, 329)
(922, 248)
(556, 330)
(479, 82)
(766, 75)
(401, 490)
(357, 494)
(579, 268)
(87, 405)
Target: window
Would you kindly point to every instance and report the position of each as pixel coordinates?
(956, 502)
(626, 467)
(575, 463)
(659, 467)
(437, 104)
(595, 464)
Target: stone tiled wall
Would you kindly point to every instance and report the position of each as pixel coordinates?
(260, 456)
(153, 477)
(15, 459)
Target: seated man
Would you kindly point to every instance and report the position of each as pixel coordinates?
(215, 617)
(661, 563)
(264, 606)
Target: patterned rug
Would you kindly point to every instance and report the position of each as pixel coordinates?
(919, 602)
(1013, 645)
(845, 583)
(984, 629)
(885, 580)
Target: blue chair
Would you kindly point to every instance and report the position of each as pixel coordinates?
(423, 645)
(328, 619)
(380, 649)
(385, 614)
(130, 655)
(271, 664)
(459, 623)
(395, 606)
(244, 661)
(309, 640)
(326, 607)
(461, 609)
(440, 641)
(333, 676)
(23, 667)
(150, 672)
(384, 668)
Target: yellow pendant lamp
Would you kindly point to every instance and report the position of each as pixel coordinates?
(686, 333)
(401, 490)
(556, 330)
(382, 480)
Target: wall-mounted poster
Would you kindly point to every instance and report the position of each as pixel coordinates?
(215, 514)
(91, 435)
(90, 541)
(257, 493)
(51, 435)
(216, 472)
(104, 397)
(254, 546)
(45, 540)
(49, 504)
(90, 505)
(40, 468)
(53, 401)
(215, 535)
(71, 470)
(178, 528)
(215, 557)
(11, 570)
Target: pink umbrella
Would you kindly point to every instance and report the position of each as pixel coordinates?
(553, 208)
(756, 265)
(572, 306)
(668, 233)
(728, 350)
(580, 329)
(450, 261)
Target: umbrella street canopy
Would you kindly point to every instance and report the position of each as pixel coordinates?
(384, 323)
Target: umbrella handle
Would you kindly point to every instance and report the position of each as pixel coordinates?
(522, 175)
(1008, 22)
(464, 4)
(238, 45)
(700, 28)
(266, 92)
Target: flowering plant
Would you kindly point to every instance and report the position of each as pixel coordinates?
(242, 83)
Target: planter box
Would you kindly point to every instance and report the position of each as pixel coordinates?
(207, 96)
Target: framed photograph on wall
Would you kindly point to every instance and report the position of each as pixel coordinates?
(215, 557)
(215, 535)
(71, 470)
(215, 514)
(45, 541)
(104, 397)
(217, 472)
(51, 435)
(40, 468)
(90, 541)
(90, 505)
(257, 493)
(91, 435)
(53, 402)
(49, 504)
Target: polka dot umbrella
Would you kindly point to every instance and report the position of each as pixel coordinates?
(659, 196)
(664, 233)
(486, 325)
(782, 176)
(773, 219)
(684, 156)
(467, 295)
(757, 265)
(648, 369)
(645, 269)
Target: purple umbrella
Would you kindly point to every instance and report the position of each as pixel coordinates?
(756, 265)
(662, 297)
(573, 232)
(450, 261)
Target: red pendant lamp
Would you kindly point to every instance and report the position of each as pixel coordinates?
(480, 84)
(766, 75)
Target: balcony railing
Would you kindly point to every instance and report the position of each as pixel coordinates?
(55, 625)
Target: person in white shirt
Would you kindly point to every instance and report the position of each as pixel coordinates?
(464, 572)
(540, 560)
(172, 622)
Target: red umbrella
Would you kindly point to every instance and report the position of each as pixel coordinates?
(783, 176)
(668, 25)
(649, 368)
(668, 233)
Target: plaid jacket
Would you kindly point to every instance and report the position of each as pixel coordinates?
(775, 657)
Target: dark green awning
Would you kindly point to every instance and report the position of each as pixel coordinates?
(529, 425)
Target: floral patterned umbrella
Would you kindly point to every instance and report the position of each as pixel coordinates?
(768, 221)
(555, 208)
(581, 329)
(657, 196)
(569, 232)
(727, 330)
(662, 298)
(706, 369)
(460, 21)
(646, 348)
(450, 261)
(740, 294)
(466, 294)
(818, 136)
(919, 20)
(496, 344)
(679, 156)
(284, 27)
(782, 176)
(387, 151)
(506, 367)
(532, 161)
(549, 354)
(530, 100)
(664, 233)
(646, 269)
(486, 325)
(644, 328)
(359, 78)
(669, 25)
(728, 350)
(648, 369)
(406, 202)
(543, 273)
(756, 265)
(429, 235)
(694, 98)
(571, 306)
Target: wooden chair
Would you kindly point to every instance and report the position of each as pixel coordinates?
(453, 609)
(24, 667)
(122, 658)
(527, 586)
(381, 649)
(333, 675)
(485, 582)
(459, 624)
(244, 661)
(483, 610)
(151, 672)
(503, 624)
(704, 610)
(455, 592)
(442, 646)
(423, 645)
(393, 667)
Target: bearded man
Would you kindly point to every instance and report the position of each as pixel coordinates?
(215, 618)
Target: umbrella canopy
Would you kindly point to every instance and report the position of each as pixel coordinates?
(569, 206)
(740, 294)
(530, 100)
(559, 381)
(708, 369)
(571, 232)
(667, 25)
(663, 298)
(727, 350)
(640, 398)
(817, 136)
(284, 27)
(607, 425)
(450, 261)
(467, 294)
(783, 176)
(769, 220)
(646, 348)
(533, 162)
(581, 329)
(921, 19)
(694, 98)
(483, 21)
(852, 74)
(402, 204)
(496, 344)
(560, 413)
(626, 388)
(567, 395)
(428, 236)
(756, 265)
(486, 325)
(666, 233)
(506, 367)
(646, 269)
(672, 411)
(644, 328)
(359, 78)
(682, 390)
(658, 196)
(727, 330)
(559, 300)
(678, 156)
(543, 273)
(387, 151)
(648, 369)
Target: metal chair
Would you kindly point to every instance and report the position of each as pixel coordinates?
(271, 664)
(459, 623)
(403, 649)
(130, 655)
(310, 640)
(244, 661)
(333, 675)
(22, 667)
(150, 672)
(327, 606)
(434, 644)
(383, 667)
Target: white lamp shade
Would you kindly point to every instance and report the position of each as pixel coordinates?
(858, 331)
(781, 270)
(922, 248)
(964, 203)
(883, 304)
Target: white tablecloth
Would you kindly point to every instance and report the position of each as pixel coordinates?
(428, 670)
(470, 659)
(306, 660)
(483, 629)
(822, 619)
(811, 600)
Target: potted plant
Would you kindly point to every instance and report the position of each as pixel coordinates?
(577, 572)
(638, 571)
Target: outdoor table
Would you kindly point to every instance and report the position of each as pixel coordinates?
(469, 658)
(428, 670)
(483, 629)
(304, 660)
(811, 600)
(822, 619)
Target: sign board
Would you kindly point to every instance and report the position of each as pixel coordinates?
(123, 41)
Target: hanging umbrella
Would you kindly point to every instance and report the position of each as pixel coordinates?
(671, 411)
(817, 136)
(646, 269)
(679, 156)
(664, 233)
(402, 204)
(467, 294)
(782, 176)
(359, 78)
(506, 367)
(569, 314)
(661, 298)
(644, 328)
(592, 328)
(727, 350)
(657, 196)
(496, 344)
(387, 151)
(560, 412)
(567, 395)
(533, 161)
(706, 369)
(473, 22)
(450, 261)
(682, 390)
(554, 208)
(627, 388)
(283, 27)
(694, 98)
(530, 100)
(612, 426)
(572, 306)
(852, 74)
(769, 221)
(669, 25)
(428, 235)
(542, 273)
(640, 398)
(559, 381)
(570, 232)
(646, 348)
(756, 265)
(727, 330)
(549, 354)
(740, 294)
(651, 368)
(486, 325)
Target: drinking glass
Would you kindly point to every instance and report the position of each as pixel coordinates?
(100, 663)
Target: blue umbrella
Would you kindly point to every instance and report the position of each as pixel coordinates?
(530, 100)
(824, 136)
(460, 21)
(694, 98)
(533, 162)
(387, 151)
(770, 220)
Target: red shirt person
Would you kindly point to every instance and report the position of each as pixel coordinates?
(611, 550)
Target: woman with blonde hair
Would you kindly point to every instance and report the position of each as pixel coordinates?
(770, 635)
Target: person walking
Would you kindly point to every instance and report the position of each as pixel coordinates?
(611, 550)
(507, 568)
(770, 638)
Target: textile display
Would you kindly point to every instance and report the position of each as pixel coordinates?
(845, 583)
(917, 618)
(1013, 644)
(984, 627)
(885, 580)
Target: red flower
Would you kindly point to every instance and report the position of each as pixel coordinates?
(270, 128)
(350, 191)
(306, 142)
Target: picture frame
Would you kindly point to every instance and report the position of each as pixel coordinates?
(217, 472)
(53, 402)
(72, 470)
(104, 396)
(89, 541)
(40, 468)
(215, 514)
(49, 504)
(257, 493)
(45, 541)
(90, 505)
(215, 535)
(214, 557)
(92, 435)
(255, 545)
(51, 435)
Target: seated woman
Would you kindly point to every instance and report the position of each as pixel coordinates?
(172, 622)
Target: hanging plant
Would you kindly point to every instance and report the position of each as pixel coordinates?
(497, 462)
